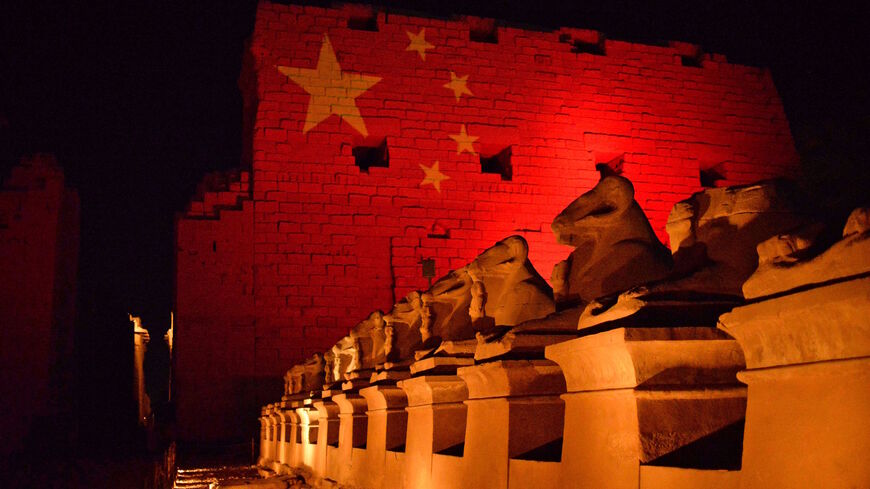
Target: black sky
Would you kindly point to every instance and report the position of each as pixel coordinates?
(139, 100)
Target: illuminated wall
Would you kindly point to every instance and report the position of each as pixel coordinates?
(39, 240)
(375, 141)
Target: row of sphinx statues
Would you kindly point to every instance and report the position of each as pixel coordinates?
(498, 306)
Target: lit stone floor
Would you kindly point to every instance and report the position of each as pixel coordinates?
(202, 477)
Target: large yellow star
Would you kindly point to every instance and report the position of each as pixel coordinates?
(459, 85)
(433, 175)
(464, 142)
(418, 43)
(332, 90)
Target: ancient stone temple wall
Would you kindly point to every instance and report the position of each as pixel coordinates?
(39, 239)
(383, 148)
(743, 373)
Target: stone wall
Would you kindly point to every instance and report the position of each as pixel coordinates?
(39, 239)
(376, 141)
(666, 384)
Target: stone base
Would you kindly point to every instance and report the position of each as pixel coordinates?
(440, 365)
(354, 384)
(635, 310)
(518, 346)
(389, 376)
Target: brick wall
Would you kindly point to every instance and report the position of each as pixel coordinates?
(39, 236)
(322, 238)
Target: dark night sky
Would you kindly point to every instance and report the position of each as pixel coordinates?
(139, 100)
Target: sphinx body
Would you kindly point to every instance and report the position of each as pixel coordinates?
(714, 235)
(792, 260)
(358, 353)
(306, 377)
(615, 247)
(501, 286)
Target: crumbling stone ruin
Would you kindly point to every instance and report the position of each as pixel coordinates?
(39, 243)
(690, 383)
(383, 151)
(437, 139)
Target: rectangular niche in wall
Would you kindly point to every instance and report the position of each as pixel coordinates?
(499, 163)
(596, 48)
(693, 60)
(366, 157)
(482, 30)
(363, 20)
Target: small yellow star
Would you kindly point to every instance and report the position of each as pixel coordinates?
(464, 142)
(418, 43)
(433, 175)
(459, 85)
(332, 91)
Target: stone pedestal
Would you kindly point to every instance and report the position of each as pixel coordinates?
(306, 442)
(528, 340)
(264, 437)
(808, 377)
(327, 436)
(389, 376)
(440, 365)
(269, 448)
(352, 437)
(513, 408)
(385, 439)
(286, 438)
(436, 423)
(634, 395)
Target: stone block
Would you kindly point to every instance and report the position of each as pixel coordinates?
(636, 395)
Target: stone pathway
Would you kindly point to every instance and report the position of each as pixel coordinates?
(202, 477)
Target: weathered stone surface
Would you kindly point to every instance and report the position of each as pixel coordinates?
(820, 324)
(714, 235)
(634, 395)
(782, 266)
(386, 432)
(807, 425)
(402, 330)
(513, 378)
(527, 340)
(388, 376)
(274, 482)
(661, 477)
(513, 407)
(305, 378)
(436, 422)
(501, 283)
(515, 292)
(292, 380)
(615, 247)
(791, 247)
(358, 353)
(562, 322)
(500, 287)
(459, 348)
(858, 222)
(646, 379)
(513, 345)
(445, 358)
(440, 365)
(808, 375)
(630, 357)
(642, 307)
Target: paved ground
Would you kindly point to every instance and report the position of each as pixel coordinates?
(201, 477)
